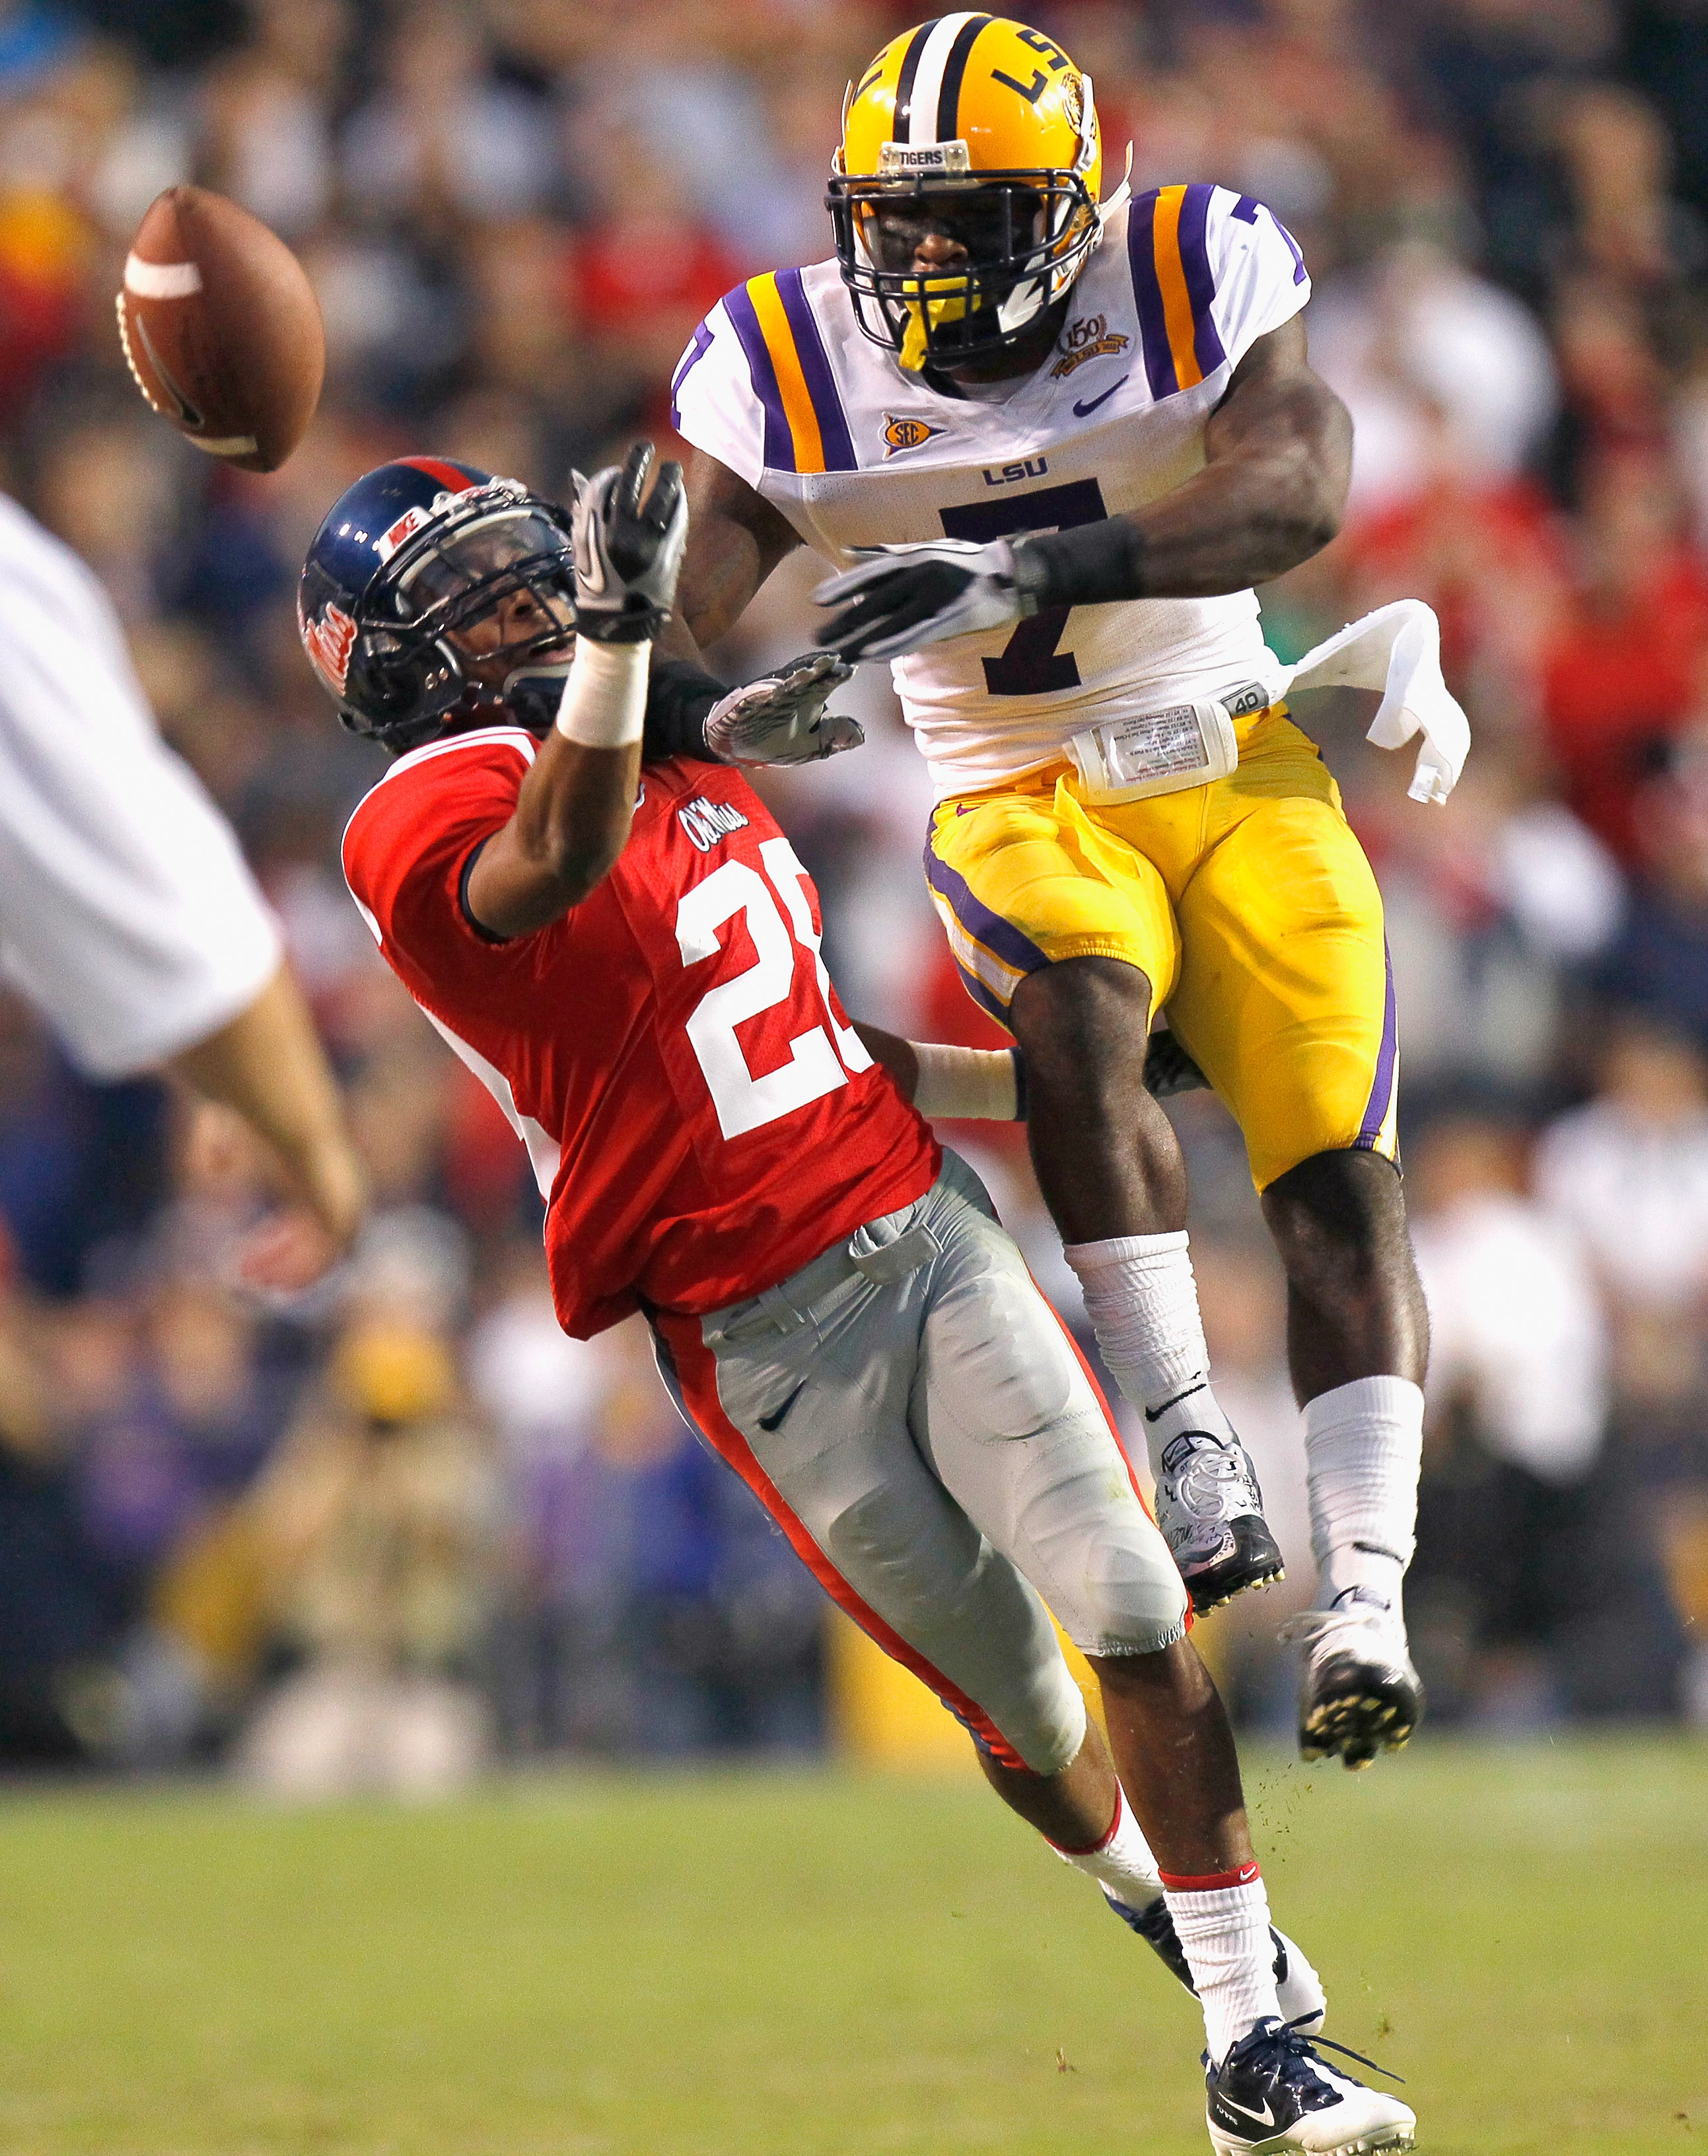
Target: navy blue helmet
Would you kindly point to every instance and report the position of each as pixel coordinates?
(434, 593)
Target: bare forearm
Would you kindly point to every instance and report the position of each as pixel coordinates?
(1278, 453)
(570, 823)
(736, 538)
(572, 813)
(896, 1055)
(267, 1064)
(1241, 521)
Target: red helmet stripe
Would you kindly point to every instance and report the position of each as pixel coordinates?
(448, 475)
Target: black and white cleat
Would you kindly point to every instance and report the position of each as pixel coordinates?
(1274, 2096)
(1359, 1694)
(1210, 1511)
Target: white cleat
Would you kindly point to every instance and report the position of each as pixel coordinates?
(1360, 1694)
(1274, 2096)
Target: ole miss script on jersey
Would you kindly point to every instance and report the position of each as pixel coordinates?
(701, 1118)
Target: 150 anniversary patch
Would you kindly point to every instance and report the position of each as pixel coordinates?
(1088, 338)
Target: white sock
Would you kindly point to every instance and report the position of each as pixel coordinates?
(1363, 1445)
(1223, 1927)
(1121, 1863)
(1143, 1304)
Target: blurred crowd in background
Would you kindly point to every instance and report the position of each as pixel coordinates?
(383, 1534)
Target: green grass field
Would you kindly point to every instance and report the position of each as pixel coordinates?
(747, 1965)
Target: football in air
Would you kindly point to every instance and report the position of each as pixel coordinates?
(222, 329)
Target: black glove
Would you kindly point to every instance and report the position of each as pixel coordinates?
(900, 598)
(1168, 1069)
(627, 554)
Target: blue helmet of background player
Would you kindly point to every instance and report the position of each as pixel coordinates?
(433, 593)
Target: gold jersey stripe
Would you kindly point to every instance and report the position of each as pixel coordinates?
(1170, 278)
(791, 381)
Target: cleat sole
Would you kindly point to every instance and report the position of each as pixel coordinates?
(1220, 1601)
(1355, 1721)
(1384, 2141)
(1256, 1562)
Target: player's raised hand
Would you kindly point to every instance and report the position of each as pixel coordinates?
(627, 549)
(900, 598)
(782, 719)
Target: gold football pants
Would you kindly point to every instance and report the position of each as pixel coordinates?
(1246, 903)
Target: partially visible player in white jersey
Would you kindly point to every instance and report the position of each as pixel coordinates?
(1053, 440)
(127, 915)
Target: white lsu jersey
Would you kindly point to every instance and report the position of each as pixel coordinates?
(780, 385)
(127, 915)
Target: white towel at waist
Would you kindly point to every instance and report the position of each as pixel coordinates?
(1398, 650)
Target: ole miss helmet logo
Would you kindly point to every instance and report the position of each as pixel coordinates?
(905, 434)
(328, 641)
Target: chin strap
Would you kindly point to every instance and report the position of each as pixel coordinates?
(1121, 196)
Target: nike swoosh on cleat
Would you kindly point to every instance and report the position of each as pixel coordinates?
(1264, 2118)
(1084, 410)
(774, 1421)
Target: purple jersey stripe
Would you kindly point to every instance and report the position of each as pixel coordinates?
(988, 1001)
(1153, 320)
(779, 441)
(998, 937)
(690, 359)
(1246, 209)
(834, 436)
(1300, 272)
(1382, 1087)
(1200, 279)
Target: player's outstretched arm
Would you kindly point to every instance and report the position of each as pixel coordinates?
(1278, 462)
(986, 1085)
(268, 1065)
(572, 814)
(734, 539)
(1278, 452)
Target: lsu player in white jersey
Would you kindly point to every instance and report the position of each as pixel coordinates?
(1052, 439)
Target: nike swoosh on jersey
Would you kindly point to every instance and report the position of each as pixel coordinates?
(1084, 410)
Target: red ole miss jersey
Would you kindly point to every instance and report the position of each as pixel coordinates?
(701, 1118)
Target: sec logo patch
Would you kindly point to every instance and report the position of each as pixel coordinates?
(905, 434)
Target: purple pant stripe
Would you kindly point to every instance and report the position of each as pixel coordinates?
(1382, 1089)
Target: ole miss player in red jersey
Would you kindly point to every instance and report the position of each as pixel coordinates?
(629, 958)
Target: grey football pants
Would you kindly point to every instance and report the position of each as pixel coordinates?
(911, 1412)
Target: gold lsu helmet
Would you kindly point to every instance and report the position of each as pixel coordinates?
(979, 128)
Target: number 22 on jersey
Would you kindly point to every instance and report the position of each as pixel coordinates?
(815, 1066)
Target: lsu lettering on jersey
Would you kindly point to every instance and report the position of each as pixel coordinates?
(701, 1118)
(782, 388)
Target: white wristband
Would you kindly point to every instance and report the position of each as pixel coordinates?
(604, 699)
(982, 1083)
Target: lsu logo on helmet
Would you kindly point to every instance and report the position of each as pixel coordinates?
(982, 131)
(906, 433)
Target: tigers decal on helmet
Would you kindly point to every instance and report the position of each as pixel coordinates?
(981, 131)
